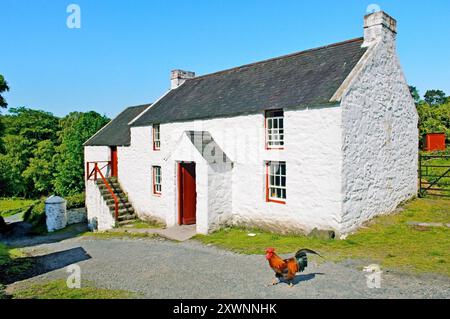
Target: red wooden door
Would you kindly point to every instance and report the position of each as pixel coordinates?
(187, 194)
(114, 164)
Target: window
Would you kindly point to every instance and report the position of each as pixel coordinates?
(157, 180)
(156, 137)
(275, 129)
(276, 182)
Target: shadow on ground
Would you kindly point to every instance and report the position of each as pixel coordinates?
(301, 278)
(20, 235)
(28, 267)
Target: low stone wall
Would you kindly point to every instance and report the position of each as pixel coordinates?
(76, 216)
(58, 217)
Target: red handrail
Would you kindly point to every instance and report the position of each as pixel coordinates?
(96, 171)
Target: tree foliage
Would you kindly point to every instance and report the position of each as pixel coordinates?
(435, 97)
(36, 144)
(414, 93)
(434, 113)
(3, 88)
(75, 129)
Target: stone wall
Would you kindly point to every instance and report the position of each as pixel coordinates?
(312, 152)
(380, 138)
(76, 216)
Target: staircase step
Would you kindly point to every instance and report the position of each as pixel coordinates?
(124, 201)
(113, 185)
(126, 213)
(123, 211)
(106, 193)
(128, 217)
(121, 205)
(125, 222)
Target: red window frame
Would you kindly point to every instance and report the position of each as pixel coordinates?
(155, 146)
(155, 191)
(266, 130)
(268, 198)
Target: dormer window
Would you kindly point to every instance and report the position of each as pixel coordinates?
(156, 137)
(274, 129)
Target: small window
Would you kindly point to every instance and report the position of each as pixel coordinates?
(275, 129)
(156, 137)
(157, 189)
(276, 181)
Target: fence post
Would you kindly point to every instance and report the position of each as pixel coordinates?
(420, 175)
(95, 171)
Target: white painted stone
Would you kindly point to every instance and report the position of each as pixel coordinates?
(98, 213)
(237, 196)
(76, 216)
(345, 163)
(380, 137)
(55, 212)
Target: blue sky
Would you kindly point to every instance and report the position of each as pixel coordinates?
(124, 51)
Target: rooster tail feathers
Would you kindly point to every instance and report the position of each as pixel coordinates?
(302, 258)
(304, 251)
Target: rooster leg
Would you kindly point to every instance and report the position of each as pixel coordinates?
(291, 285)
(275, 281)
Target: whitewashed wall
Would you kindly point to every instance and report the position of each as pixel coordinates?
(312, 153)
(380, 138)
(95, 205)
(98, 213)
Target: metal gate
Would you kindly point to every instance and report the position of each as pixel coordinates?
(434, 175)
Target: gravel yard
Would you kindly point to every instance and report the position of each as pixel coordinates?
(157, 268)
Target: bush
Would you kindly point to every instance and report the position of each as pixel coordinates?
(35, 215)
(75, 201)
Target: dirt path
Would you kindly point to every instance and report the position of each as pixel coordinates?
(156, 268)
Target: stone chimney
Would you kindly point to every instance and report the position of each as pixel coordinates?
(379, 26)
(178, 77)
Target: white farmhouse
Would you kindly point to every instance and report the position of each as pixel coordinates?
(325, 138)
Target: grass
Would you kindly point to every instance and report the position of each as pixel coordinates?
(432, 174)
(12, 263)
(116, 234)
(386, 240)
(12, 206)
(58, 289)
(140, 224)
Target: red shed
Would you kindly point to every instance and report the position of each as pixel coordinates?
(434, 142)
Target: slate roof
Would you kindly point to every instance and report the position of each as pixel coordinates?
(117, 132)
(305, 78)
(208, 148)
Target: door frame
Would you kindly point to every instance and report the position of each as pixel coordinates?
(179, 190)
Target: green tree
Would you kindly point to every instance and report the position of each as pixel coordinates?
(76, 128)
(15, 160)
(34, 125)
(40, 170)
(24, 130)
(414, 93)
(3, 88)
(435, 97)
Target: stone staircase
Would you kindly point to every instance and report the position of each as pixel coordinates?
(127, 214)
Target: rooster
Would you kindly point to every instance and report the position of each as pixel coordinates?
(286, 269)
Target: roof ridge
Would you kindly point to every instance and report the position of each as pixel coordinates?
(278, 58)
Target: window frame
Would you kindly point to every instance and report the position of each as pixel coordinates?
(156, 141)
(269, 186)
(154, 182)
(267, 118)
